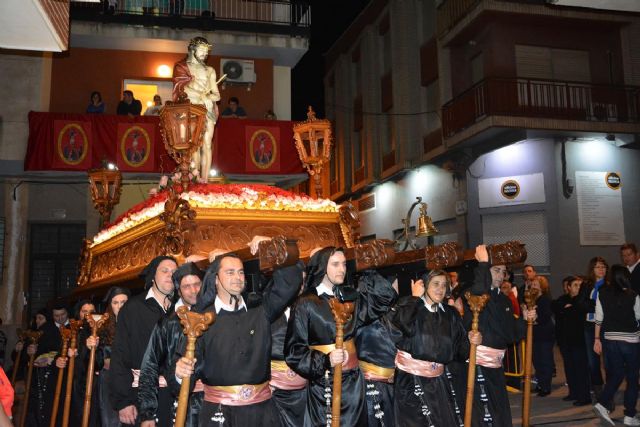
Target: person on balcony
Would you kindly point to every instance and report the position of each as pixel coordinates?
(129, 106)
(154, 110)
(96, 105)
(234, 110)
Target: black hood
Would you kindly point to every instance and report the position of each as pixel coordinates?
(317, 267)
(188, 269)
(149, 272)
(208, 292)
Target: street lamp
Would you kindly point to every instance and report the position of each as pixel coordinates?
(425, 225)
(313, 141)
(182, 126)
(106, 186)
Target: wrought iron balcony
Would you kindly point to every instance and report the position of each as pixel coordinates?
(542, 99)
(263, 16)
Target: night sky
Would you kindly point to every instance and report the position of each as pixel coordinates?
(329, 19)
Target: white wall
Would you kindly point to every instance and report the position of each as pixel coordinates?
(282, 92)
(393, 200)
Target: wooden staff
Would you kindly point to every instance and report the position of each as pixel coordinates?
(65, 335)
(16, 365)
(33, 337)
(74, 325)
(530, 297)
(342, 312)
(194, 325)
(476, 304)
(95, 321)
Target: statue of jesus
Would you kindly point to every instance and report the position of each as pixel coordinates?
(193, 78)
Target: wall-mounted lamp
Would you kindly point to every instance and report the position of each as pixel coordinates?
(164, 71)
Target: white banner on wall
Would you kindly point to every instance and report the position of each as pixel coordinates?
(600, 208)
(511, 190)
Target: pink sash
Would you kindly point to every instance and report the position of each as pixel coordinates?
(489, 357)
(162, 381)
(422, 368)
(199, 387)
(283, 378)
(237, 395)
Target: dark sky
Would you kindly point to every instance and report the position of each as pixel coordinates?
(329, 19)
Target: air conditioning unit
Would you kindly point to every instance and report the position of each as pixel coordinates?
(238, 70)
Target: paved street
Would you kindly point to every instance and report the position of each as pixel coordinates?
(552, 411)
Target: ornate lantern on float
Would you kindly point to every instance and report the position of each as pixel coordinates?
(106, 186)
(313, 141)
(182, 125)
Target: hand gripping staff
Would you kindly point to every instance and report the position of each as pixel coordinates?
(194, 325)
(96, 322)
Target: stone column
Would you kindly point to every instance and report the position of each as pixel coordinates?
(14, 280)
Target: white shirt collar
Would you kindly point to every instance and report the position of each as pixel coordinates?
(287, 313)
(150, 294)
(632, 267)
(426, 304)
(221, 305)
(179, 304)
(322, 288)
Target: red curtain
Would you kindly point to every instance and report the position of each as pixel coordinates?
(77, 142)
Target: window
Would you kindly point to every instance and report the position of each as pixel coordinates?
(53, 264)
(145, 90)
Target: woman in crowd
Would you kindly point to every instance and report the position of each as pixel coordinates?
(116, 297)
(596, 277)
(617, 315)
(543, 339)
(431, 335)
(96, 106)
(570, 338)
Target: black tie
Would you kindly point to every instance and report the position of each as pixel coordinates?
(237, 302)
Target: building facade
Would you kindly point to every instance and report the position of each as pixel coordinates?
(451, 100)
(45, 215)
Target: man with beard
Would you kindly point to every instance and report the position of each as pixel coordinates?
(136, 321)
(195, 79)
(156, 404)
(233, 355)
(499, 329)
(310, 342)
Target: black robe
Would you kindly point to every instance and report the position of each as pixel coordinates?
(499, 329)
(291, 404)
(136, 321)
(43, 380)
(375, 345)
(312, 323)
(235, 350)
(153, 402)
(438, 337)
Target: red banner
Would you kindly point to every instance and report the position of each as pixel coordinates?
(262, 153)
(135, 147)
(77, 142)
(72, 150)
(256, 147)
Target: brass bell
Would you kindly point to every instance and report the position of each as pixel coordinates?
(425, 224)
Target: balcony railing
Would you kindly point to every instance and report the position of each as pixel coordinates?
(270, 16)
(541, 99)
